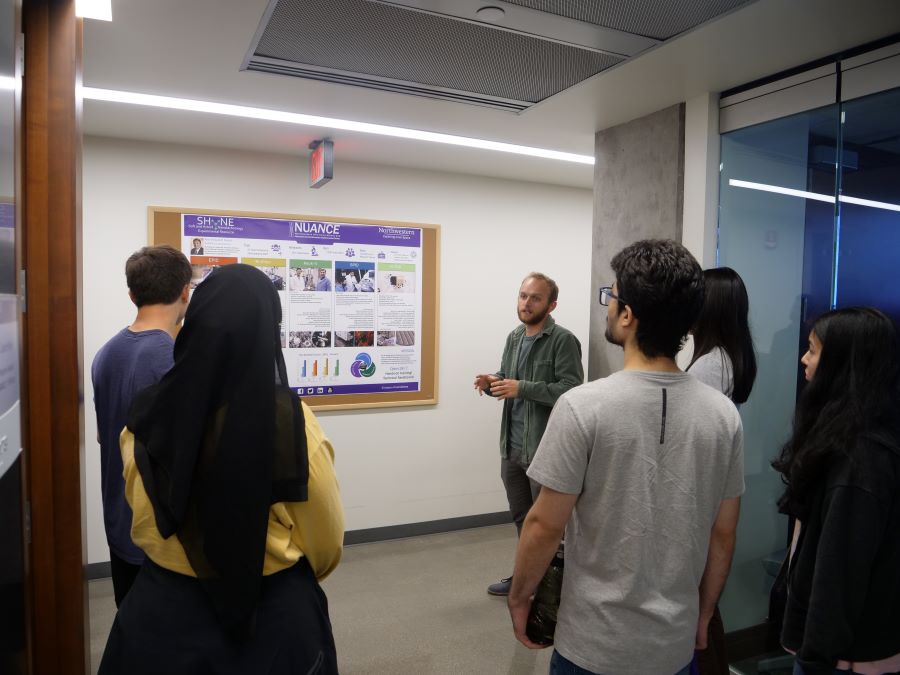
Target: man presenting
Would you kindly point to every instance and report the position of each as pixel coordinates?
(644, 471)
(541, 361)
(138, 356)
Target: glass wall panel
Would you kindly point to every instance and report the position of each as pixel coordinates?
(869, 234)
(809, 215)
(776, 233)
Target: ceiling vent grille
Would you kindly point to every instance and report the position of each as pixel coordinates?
(382, 84)
(436, 49)
(659, 19)
(391, 48)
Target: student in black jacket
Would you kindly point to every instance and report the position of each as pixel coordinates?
(842, 471)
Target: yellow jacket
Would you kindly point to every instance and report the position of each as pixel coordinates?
(314, 528)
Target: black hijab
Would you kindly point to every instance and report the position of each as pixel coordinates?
(221, 437)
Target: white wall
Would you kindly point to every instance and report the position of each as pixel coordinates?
(399, 465)
(701, 177)
(700, 214)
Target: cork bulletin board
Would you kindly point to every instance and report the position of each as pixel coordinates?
(359, 297)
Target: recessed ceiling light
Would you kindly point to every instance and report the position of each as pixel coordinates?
(490, 13)
(92, 93)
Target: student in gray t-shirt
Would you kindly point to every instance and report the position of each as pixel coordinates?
(644, 472)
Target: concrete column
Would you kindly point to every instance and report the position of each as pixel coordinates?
(638, 194)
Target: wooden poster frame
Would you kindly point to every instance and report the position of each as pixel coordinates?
(164, 227)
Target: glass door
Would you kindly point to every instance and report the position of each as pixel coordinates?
(776, 229)
(868, 233)
(809, 216)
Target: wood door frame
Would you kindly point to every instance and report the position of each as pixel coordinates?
(52, 396)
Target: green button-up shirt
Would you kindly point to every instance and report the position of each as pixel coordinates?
(552, 368)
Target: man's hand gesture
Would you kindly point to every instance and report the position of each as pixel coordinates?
(502, 389)
(483, 382)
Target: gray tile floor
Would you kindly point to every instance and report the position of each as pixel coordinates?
(414, 606)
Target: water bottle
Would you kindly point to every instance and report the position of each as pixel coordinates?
(541, 623)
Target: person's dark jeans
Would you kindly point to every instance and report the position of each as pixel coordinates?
(521, 491)
(123, 576)
(714, 659)
(560, 665)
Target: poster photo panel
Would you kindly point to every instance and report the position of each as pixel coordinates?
(360, 319)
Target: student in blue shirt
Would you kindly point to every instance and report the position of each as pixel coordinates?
(136, 357)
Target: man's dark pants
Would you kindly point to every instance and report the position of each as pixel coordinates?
(521, 491)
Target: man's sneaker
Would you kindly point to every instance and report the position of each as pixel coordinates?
(501, 587)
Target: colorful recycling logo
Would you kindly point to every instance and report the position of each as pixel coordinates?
(362, 366)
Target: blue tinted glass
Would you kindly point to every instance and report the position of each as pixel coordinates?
(777, 230)
(805, 237)
(869, 244)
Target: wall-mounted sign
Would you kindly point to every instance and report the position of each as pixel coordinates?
(321, 163)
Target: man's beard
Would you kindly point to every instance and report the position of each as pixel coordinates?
(610, 338)
(535, 318)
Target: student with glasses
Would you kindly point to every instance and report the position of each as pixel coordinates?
(643, 471)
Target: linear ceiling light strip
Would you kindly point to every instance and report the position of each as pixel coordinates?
(791, 192)
(92, 93)
(781, 190)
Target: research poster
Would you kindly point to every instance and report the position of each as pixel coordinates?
(350, 295)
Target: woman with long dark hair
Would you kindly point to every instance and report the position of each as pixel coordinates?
(723, 348)
(841, 468)
(724, 359)
(235, 502)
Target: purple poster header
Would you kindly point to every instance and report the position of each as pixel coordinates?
(384, 388)
(300, 231)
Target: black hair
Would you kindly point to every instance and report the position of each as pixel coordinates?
(852, 395)
(723, 323)
(156, 275)
(663, 284)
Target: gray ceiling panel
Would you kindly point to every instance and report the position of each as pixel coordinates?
(393, 43)
(659, 19)
(414, 47)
